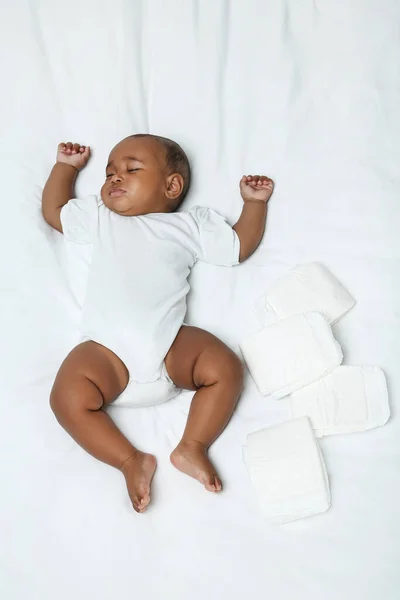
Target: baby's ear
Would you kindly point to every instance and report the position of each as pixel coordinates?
(174, 186)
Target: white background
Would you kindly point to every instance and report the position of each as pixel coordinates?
(305, 91)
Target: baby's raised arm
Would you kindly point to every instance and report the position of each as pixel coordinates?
(256, 190)
(59, 188)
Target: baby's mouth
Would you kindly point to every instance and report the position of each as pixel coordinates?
(115, 192)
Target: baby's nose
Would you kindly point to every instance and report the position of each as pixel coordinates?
(116, 177)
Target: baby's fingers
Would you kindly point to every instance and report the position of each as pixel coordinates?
(68, 148)
(259, 179)
(246, 180)
(255, 180)
(266, 181)
(75, 148)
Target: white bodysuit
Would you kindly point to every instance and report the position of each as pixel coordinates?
(137, 284)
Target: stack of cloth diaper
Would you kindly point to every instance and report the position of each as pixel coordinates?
(287, 471)
(296, 355)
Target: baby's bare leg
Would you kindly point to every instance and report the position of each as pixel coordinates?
(199, 361)
(90, 378)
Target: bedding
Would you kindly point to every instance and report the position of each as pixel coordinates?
(305, 92)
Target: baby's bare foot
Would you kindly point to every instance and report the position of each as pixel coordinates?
(191, 458)
(138, 471)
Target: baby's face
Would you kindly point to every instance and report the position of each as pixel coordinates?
(137, 181)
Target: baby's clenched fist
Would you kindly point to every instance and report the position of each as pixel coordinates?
(74, 155)
(256, 188)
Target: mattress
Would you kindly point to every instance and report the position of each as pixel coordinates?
(305, 92)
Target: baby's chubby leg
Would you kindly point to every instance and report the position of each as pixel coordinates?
(90, 378)
(197, 360)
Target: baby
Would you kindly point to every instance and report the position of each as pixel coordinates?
(132, 330)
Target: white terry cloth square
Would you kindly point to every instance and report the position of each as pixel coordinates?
(309, 287)
(348, 399)
(291, 353)
(287, 471)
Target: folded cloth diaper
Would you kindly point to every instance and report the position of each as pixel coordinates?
(305, 288)
(348, 399)
(287, 471)
(291, 353)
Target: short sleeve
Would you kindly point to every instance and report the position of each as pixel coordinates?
(79, 219)
(218, 243)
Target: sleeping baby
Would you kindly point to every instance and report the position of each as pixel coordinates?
(132, 334)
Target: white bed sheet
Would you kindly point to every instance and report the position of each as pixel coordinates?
(307, 92)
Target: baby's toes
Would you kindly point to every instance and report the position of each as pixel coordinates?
(211, 482)
(144, 499)
(217, 484)
(138, 504)
(135, 503)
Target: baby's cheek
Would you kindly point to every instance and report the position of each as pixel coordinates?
(103, 191)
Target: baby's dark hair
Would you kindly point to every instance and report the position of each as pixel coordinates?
(176, 160)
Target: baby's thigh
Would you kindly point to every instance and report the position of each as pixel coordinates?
(95, 363)
(197, 358)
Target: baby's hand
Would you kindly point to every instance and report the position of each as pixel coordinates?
(256, 188)
(73, 154)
